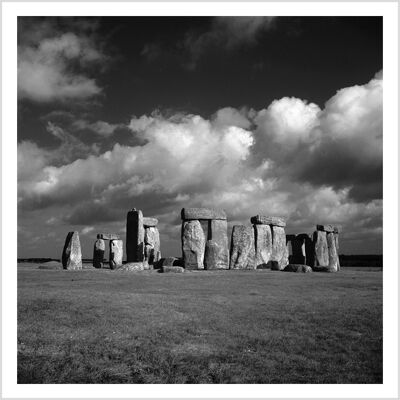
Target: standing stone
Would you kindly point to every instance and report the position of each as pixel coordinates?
(193, 245)
(152, 245)
(242, 248)
(134, 236)
(98, 253)
(280, 256)
(325, 228)
(336, 233)
(321, 255)
(332, 252)
(219, 235)
(116, 253)
(212, 256)
(72, 254)
(263, 245)
(299, 250)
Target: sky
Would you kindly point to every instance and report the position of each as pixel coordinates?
(279, 116)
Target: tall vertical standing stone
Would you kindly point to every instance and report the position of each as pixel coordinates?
(152, 245)
(336, 234)
(280, 257)
(321, 255)
(218, 233)
(72, 254)
(134, 236)
(193, 244)
(116, 253)
(332, 252)
(98, 253)
(242, 248)
(263, 245)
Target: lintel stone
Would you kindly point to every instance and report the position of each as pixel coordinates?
(266, 220)
(202, 213)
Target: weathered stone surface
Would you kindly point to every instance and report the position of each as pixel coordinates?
(325, 228)
(219, 235)
(193, 245)
(134, 236)
(322, 269)
(336, 229)
(279, 257)
(212, 256)
(51, 265)
(242, 248)
(131, 267)
(336, 233)
(169, 268)
(263, 245)
(169, 261)
(297, 268)
(98, 253)
(206, 226)
(321, 255)
(149, 221)
(202, 213)
(332, 252)
(152, 245)
(72, 254)
(116, 253)
(108, 236)
(266, 220)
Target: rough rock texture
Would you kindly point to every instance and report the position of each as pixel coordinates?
(169, 261)
(263, 245)
(332, 252)
(279, 257)
(116, 253)
(72, 254)
(336, 233)
(219, 235)
(149, 221)
(169, 268)
(321, 255)
(98, 253)
(152, 245)
(131, 267)
(134, 236)
(51, 265)
(193, 245)
(265, 220)
(206, 226)
(325, 228)
(323, 269)
(108, 236)
(212, 256)
(202, 213)
(297, 268)
(242, 248)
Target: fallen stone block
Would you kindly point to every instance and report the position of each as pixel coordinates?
(108, 236)
(169, 268)
(98, 253)
(72, 254)
(193, 245)
(263, 245)
(131, 267)
(149, 222)
(169, 261)
(202, 213)
(242, 248)
(265, 220)
(298, 268)
(116, 253)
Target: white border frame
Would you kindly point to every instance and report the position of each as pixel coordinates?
(10, 11)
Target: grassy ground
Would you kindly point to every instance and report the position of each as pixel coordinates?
(102, 326)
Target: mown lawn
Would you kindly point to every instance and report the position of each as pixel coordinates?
(102, 326)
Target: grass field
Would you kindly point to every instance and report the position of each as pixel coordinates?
(102, 326)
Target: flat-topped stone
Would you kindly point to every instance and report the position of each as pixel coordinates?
(150, 222)
(265, 220)
(298, 268)
(325, 228)
(171, 268)
(131, 267)
(108, 236)
(202, 213)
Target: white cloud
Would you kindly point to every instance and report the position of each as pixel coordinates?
(87, 229)
(102, 128)
(52, 68)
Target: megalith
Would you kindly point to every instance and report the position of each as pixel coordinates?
(279, 256)
(134, 236)
(326, 248)
(193, 244)
(321, 255)
(242, 248)
(98, 253)
(151, 245)
(263, 245)
(213, 226)
(332, 252)
(116, 253)
(72, 254)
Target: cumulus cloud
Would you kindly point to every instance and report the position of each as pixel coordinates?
(53, 65)
(292, 158)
